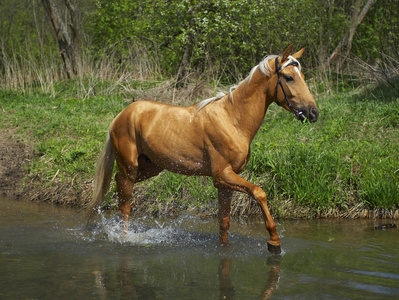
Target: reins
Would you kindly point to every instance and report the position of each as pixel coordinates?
(278, 69)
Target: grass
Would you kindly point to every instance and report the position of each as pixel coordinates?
(341, 160)
(349, 158)
(66, 134)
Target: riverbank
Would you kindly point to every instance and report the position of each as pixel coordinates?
(344, 166)
(16, 157)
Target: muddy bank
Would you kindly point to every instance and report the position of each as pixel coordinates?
(15, 180)
(14, 156)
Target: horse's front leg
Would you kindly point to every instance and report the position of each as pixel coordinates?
(229, 178)
(224, 201)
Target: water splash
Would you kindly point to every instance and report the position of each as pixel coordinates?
(142, 231)
(183, 233)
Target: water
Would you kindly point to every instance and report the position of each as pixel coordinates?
(47, 252)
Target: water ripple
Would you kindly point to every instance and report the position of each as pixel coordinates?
(375, 274)
(377, 289)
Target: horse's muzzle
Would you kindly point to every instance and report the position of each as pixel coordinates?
(311, 114)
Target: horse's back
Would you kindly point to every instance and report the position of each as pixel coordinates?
(144, 115)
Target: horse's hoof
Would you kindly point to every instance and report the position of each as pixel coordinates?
(273, 249)
(224, 243)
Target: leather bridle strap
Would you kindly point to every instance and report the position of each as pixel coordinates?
(278, 69)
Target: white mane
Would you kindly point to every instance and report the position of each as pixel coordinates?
(263, 67)
(205, 102)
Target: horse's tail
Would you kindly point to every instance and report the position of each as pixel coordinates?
(102, 177)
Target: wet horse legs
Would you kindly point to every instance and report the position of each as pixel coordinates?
(125, 189)
(125, 179)
(224, 201)
(228, 178)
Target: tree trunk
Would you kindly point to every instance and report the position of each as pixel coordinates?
(181, 80)
(4, 35)
(68, 41)
(346, 42)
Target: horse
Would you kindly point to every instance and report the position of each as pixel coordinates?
(209, 138)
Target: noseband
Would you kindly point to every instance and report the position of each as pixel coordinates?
(278, 69)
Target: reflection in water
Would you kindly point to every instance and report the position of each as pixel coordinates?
(118, 283)
(122, 279)
(226, 286)
(274, 276)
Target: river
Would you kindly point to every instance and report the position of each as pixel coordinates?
(48, 252)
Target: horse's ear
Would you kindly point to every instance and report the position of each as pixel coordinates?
(298, 54)
(287, 52)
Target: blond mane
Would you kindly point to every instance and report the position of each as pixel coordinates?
(263, 67)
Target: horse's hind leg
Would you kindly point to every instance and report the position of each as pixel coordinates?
(125, 188)
(127, 161)
(132, 170)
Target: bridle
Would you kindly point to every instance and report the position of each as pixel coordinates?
(293, 62)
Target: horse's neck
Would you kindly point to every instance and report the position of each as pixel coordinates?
(249, 104)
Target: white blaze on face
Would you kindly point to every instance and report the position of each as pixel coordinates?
(297, 69)
(298, 72)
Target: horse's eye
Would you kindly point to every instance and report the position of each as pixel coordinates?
(289, 78)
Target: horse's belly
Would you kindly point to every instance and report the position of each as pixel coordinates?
(180, 164)
(186, 167)
(177, 155)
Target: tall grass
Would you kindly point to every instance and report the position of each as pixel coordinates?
(340, 161)
(109, 73)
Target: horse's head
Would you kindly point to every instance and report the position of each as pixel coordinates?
(291, 91)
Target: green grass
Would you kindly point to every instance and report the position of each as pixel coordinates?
(350, 156)
(67, 134)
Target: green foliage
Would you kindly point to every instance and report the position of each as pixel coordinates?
(219, 40)
(226, 37)
(379, 32)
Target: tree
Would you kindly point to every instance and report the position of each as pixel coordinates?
(68, 40)
(346, 42)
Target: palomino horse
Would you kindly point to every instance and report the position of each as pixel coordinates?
(210, 138)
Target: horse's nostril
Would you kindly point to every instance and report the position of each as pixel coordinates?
(313, 114)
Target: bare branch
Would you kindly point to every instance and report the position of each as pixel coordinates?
(346, 41)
